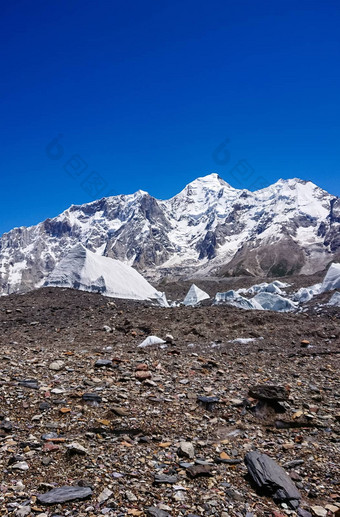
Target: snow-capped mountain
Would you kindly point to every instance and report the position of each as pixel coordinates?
(209, 228)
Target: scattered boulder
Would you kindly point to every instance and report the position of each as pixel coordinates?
(163, 478)
(57, 365)
(29, 383)
(269, 392)
(119, 411)
(319, 511)
(6, 425)
(142, 375)
(104, 495)
(76, 448)
(199, 471)
(208, 403)
(271, 479)
(303, 513)
(103, 363)
(157, 512)
(21, 465)
(92, 397)
(186, 449)
(23, 511)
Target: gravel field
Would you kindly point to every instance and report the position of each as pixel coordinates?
(164, 430)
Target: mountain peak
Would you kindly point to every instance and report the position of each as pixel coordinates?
(212, 180)
(208, 226)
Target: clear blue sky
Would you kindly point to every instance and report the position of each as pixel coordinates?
(145, 91)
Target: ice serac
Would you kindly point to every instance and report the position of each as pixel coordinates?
(274, 302)
(332, 278)
(84, 270)
(209, 228)
(195, 295)
(335, 300)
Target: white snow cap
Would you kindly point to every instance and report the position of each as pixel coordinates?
(151, 340)
(82, 269)
(195, 295)
(332, 278)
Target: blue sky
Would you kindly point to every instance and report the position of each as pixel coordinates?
(143, 93)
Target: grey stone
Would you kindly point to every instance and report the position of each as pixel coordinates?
(76, 448)
(23, 511)
(270, 478)
(186, 449)
(104, 495)
(163, 478)
(303, 513)
(199, 471)
(294, 463)
(64, 494)
(6, 426)
(319, 511)
(21, 465)
(103, 362)
(156, 512)
(57, 365)
(29, 383)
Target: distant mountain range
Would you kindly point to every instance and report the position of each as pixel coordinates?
(209, 228)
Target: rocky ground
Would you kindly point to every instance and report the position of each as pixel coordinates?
(164, 430)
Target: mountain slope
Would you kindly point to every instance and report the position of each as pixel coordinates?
(208, 228)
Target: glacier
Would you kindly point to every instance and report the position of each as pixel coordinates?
(84, 270)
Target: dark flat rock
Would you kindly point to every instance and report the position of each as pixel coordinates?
(269, 392)
(229, 461)
(270, 478)
(103, 362)
(29, 383)
(163, 478)
(199, 471)
(92, 397)
(303, 513)
(64, 494)
(156, 512)
(208, 402)
(293, 463)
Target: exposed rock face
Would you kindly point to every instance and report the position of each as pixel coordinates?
(208, 228)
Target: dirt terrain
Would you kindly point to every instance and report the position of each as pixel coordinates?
(129, 417)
